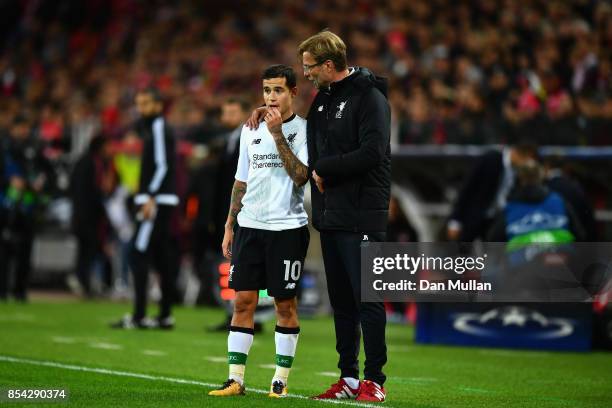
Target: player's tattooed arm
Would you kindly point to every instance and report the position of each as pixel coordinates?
(238, 191)
(297, 171)
(294, 167)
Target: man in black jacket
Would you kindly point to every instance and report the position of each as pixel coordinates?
(155, 200)
(485, 190)
(350, 162)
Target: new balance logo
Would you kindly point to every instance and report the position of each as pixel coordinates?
(290, 286)
(365, 238)
(256, 141)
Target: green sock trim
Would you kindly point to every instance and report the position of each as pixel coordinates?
(236, 358)
(284, 361)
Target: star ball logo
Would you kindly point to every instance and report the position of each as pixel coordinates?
(496, 323)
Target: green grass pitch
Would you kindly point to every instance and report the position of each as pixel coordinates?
(69, 345)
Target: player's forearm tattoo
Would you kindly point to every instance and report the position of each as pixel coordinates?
(294, 167)
(238, 191)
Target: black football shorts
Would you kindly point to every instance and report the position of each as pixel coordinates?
(272, 260)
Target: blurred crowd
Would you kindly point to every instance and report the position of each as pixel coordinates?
(461, 72)
(474, 72)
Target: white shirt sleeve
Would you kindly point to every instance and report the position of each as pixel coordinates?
(242, 171)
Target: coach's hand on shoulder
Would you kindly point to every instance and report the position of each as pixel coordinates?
(256, 117)
(226, 246)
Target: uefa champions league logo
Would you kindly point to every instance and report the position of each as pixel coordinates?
(528, 324)
(537, 221)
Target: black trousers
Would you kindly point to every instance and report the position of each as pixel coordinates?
(88, 249)
(158, 253)
(342, 258)
(16, 253)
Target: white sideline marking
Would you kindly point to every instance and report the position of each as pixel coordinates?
(422, 379)
(475, 390)
(515, 353)
(157, 353)
(268, 366)
(162, 378)
(328, 374)
(273, 367)
(217, 359)
(106, 346)
(63, 340)
(17, 317)
(401, 349)
(417, 380)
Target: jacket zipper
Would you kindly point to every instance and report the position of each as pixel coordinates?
(326, 107)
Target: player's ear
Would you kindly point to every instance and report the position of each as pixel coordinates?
(294, 91)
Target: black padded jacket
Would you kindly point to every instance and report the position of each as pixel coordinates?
(348, 146)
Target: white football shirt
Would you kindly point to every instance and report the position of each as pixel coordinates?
(272, 201)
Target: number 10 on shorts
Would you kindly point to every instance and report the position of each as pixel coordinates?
(292, 270)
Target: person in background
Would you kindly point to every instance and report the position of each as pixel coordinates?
(485, 190)
(89, 220)
(534, 213)
(534, 221)
(28, 181)
(234, 112)
(126, 162)
(558, 180)
(156, 199)
(399, 229)
(116, 198)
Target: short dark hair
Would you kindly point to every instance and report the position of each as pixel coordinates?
(153, 91)
(281, 71)
(237, 100)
